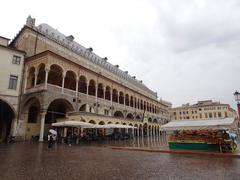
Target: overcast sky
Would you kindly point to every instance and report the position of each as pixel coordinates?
(186, 50)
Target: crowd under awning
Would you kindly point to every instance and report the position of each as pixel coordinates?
(89, 125)
(203, 124)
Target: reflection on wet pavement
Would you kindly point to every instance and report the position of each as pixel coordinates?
(97, 161)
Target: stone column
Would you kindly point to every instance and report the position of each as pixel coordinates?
(124, 103)
(87, 88)
(46, 78)
(138, 130)
(111, 102)
(63, 81)
(118, 97)
(25, 79)
(77, 81)
(35, 78)
(142, 132)
(43, 114)
(111, 94)
(96, 93)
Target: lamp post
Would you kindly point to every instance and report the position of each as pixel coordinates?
(237, 98)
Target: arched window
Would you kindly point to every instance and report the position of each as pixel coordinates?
(82, 85)
(92, 88)
(41, 74)
(31, 77)
(108, 93)
(121, 98)
(115, 95)
(70, 80)
(100, 90)
(127, 100)
(55, 75)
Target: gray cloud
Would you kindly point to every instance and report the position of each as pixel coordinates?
(185, 50)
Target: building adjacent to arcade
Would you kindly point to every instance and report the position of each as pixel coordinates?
(62, 79)
(11, 64)
(202, 110)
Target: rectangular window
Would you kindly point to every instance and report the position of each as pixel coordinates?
(219, 114)
(206, 115)
(13, 82)
(16, 60)
(226, 115)
(210, 115)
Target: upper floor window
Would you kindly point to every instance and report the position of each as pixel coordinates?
(16, 60)
(13, 82)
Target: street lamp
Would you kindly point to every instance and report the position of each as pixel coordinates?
(237, 98)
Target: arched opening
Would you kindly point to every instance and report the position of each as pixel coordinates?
(140, 130)
(31, 113)
(101, 123)
(127, 100)
(6, 117)
(109, 122)
(138, 117)
(145, 129)
(108, 93)
(135, 130)
(141, 105)
(83, 108)
(131, 101)
(155, 121)
(118, 114)
(31, 77)
(82, 85)
(55, 75)
(92, 122)
(115, 96)
(70, 80)
(41, 74)
(100, 90)
(57, 109)
(92, 88)
(121, 97)
(130, 116)
(149, 130)
(149, 119)
(144, 106)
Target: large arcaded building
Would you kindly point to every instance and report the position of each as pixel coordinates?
(61, 76)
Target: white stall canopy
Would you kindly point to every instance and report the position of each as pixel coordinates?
(73, 124)
(203, 124)
(89, 125)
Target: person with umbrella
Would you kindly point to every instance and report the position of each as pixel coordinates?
(51, 137)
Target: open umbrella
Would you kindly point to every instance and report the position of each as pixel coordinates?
(53, 131)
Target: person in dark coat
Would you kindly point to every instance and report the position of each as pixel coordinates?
(50, 140)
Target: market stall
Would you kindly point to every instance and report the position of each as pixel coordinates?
(207, 134)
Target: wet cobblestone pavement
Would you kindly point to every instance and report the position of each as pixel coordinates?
(98, 161)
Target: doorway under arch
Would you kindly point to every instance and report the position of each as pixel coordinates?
(6, 117)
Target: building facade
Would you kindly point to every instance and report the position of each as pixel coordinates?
(61, 76)
(11, 63)
(202, 110)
